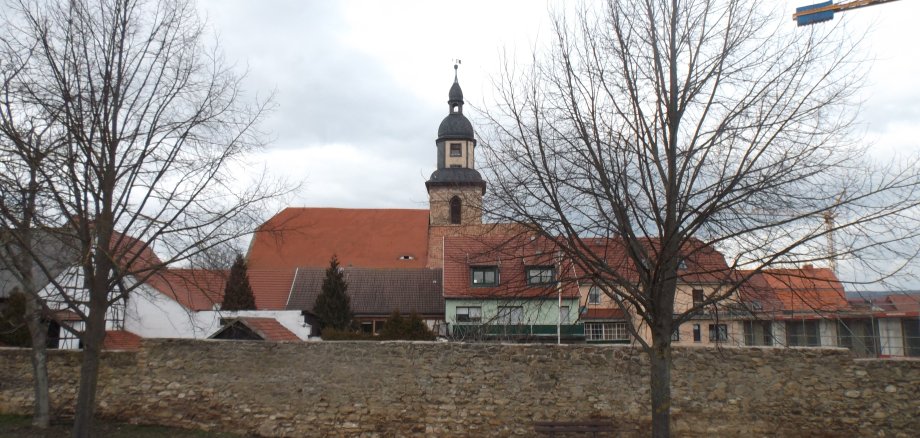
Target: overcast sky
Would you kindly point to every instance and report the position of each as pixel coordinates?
(361, 86)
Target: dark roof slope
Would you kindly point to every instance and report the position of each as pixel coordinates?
(375, 291)
(53, 252)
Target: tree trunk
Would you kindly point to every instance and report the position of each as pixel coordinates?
(92, 338)
(38, 331)
(660, 379)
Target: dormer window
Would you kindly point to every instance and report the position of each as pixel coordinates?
(455, 150)
(540, 275)
(484, 275)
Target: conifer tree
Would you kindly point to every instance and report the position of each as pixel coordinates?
(238, 293)
(333, 306)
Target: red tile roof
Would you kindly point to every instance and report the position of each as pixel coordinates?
(194, 289)
(511, 255)
(704, 264)
(271, 287)
(905, 302)
(603, 313)
(121, 340)
(133, 254)
(269, 329)
(367, 238)
(805, 290)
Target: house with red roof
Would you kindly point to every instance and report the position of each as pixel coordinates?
(882, 324)
(162, 302)
(509, 289)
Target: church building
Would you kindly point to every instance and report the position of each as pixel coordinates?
(392, 257)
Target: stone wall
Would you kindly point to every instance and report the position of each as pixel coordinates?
(452, 389)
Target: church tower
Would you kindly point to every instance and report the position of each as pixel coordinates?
(455, 188)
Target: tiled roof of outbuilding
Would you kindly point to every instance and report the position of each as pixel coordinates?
(121, 340)
(269, 329)
(367, 238)
(375, 291)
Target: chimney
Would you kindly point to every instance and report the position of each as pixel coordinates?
(808, 266)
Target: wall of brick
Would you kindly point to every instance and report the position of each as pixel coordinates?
(452, 389)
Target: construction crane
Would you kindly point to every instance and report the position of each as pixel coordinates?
(820, 12)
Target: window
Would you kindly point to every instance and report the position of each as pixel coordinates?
(540, 274)
(564, 315)
(455, 150)
(484, 275)
(606, 331)
(911, 329)
(510, 315)
(682, 264)
(859, 335)
(697, 296)
(469, 315)
(675, 334)
(718, 332)
(696, 333)
(758, 333)
(594, 295)
(802, 334)
(455, 210)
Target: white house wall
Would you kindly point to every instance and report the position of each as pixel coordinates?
(150, 314)
(70, 282)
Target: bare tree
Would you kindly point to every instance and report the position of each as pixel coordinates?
(658, 129)
(22, 202)
(152, 128)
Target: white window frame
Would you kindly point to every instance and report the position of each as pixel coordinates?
(606, 331)
(483, 270)
(510, 315)
(540, 275)
(473, 314)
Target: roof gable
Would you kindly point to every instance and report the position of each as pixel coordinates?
(252, 328)
(368, 238)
